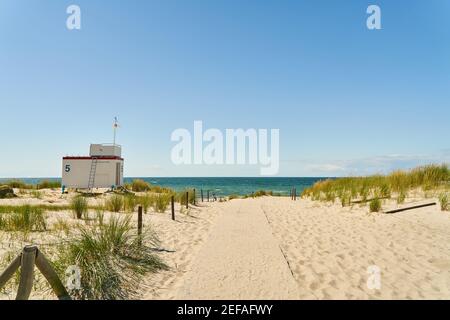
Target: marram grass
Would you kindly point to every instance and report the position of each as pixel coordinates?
(398, 183)
(112, 259)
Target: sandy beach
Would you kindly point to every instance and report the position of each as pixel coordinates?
(276, 248)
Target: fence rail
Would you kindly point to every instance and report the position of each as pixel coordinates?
(26, 260)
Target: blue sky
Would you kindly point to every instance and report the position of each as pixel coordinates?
(347, 100)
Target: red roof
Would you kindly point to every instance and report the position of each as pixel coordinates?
(92, 158)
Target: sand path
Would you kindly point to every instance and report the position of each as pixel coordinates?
(241, 259)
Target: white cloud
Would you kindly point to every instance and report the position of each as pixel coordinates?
(368, 165)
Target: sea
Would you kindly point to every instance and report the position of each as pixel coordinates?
(220, 186)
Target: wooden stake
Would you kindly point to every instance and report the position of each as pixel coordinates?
(140, 220)
(172, 200)
(194, 196)
(207, 193)
(26, 273)
(49, 273)
(187, 199)
(201, 192)
(10, 270)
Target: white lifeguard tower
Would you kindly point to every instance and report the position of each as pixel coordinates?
(103, 168)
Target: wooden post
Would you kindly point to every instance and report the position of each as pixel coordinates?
(295, 194)
(187, 199)
(207, 193)
(26, 272)
(49, 273)
(194, 196)
(172, 200)
(139, 220)
(201, 192)
(10, 270)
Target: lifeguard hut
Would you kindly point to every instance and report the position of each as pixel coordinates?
(103, 168)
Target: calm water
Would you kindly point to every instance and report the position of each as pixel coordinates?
(220, 186)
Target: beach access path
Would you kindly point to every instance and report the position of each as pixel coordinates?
(241, 259)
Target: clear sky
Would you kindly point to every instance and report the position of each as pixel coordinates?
(347, 100)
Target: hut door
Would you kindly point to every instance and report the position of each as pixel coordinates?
(117, 173)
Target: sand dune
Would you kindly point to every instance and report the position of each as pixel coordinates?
(275, 248)
(253, 246)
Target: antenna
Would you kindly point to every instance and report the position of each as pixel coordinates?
(115, 126)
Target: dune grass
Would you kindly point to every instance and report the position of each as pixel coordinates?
(146, 201)
(18, 184)
(129, 203)
(256, 194)
(139, 185)
(375, 205)
(261, 193)
(24, 218)
(161, 202)
(45, 184)
(181, 196)
(114, 203)
(366, 189)
(444, 202)
(79, 206)
(43, 207)
(112, 259)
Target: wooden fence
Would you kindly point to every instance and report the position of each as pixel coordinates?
(26, 260)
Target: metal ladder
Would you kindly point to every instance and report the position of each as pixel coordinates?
(91, 182)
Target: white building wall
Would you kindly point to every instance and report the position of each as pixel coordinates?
(98, 150)
(76, 173)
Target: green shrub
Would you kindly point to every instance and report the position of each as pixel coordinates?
(233, 196)
(375, 205)
(114, 203)
(79, 206)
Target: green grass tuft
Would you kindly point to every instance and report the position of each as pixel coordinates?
(112, 259)
(79, 206)
(375, 205)
(114, 203)
(444, 202)
(25, 218)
